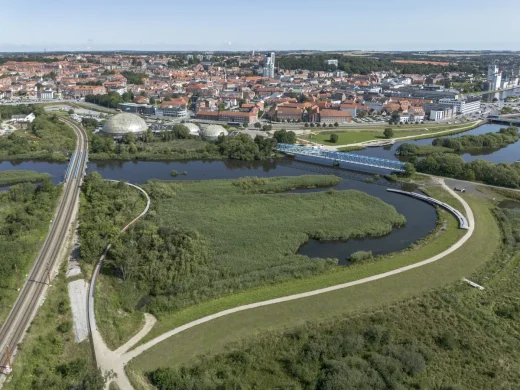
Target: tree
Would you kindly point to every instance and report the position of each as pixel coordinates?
(336, 124)
(396, 118)
(388, 133)
(129, 138)
(306, 124)
(285, 137)
(409, 169)
(334, 138)
(258, 125)
(70, 112)
(221, 106)
(180, 131)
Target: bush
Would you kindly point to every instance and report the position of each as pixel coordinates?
(174, 173)
(334, 138)
(360, 256)
(388, 133)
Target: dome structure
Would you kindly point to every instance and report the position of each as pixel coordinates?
(194, 129)
(213, 132)
(123, 123)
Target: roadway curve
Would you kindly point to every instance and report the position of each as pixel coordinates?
(115, 361)
(35, 287)
(106, 359)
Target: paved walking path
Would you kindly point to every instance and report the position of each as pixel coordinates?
(116, 360)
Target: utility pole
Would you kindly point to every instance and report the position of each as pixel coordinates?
(8, 368)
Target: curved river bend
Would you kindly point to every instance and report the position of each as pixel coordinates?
(421, 218)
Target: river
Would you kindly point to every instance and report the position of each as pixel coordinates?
(421, 218)
(509, 154)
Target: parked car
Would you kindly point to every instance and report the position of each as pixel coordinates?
(459, 189)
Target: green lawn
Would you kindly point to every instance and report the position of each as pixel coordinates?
(214, 337)
(352, 136)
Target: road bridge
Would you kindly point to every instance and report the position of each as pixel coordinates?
(37, 282)
(340, 157)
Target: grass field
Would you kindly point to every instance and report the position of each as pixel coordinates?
(214, 337)
(8, 178)
(352, 136)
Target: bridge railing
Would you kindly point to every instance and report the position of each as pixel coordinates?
(341, 156)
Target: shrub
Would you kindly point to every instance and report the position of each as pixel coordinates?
(334, 138)
(360, 256)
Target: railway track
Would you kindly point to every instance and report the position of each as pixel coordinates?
(37, 282)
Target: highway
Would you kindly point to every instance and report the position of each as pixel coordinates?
(36, 284)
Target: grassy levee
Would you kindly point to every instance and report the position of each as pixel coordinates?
(213, 337)
(438, 241)
(11, 177)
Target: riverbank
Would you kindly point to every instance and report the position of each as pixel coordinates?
(8, 178)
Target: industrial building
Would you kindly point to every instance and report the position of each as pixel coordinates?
(212, 132)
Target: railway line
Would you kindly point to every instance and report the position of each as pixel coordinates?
(38, 280)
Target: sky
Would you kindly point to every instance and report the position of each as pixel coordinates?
(181, 25)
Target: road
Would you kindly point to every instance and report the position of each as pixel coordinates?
(36, 284)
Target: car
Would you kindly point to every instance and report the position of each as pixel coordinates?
(459, 189)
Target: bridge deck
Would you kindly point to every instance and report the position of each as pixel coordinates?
(463, 222)
(341, 157)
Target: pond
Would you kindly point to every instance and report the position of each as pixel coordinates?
(509, 204)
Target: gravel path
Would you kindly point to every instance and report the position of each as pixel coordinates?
(78, 293)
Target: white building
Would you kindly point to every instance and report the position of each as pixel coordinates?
(46, 94)
(332, 62)
(23, 118)
(494, 77)
(269, 66)
(436, 115)
(462, 107)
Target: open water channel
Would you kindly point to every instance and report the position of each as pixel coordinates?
(421, 217)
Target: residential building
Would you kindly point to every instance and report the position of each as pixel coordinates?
(23, 118)
(333, 116)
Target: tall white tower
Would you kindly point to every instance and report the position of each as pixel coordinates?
(269, 65)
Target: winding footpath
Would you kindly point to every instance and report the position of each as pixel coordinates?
(115, 361)
(106, 359)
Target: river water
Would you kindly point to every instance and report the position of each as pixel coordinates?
(421, 218)
(509, 154)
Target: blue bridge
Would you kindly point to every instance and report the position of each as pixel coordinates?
(340, 157)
